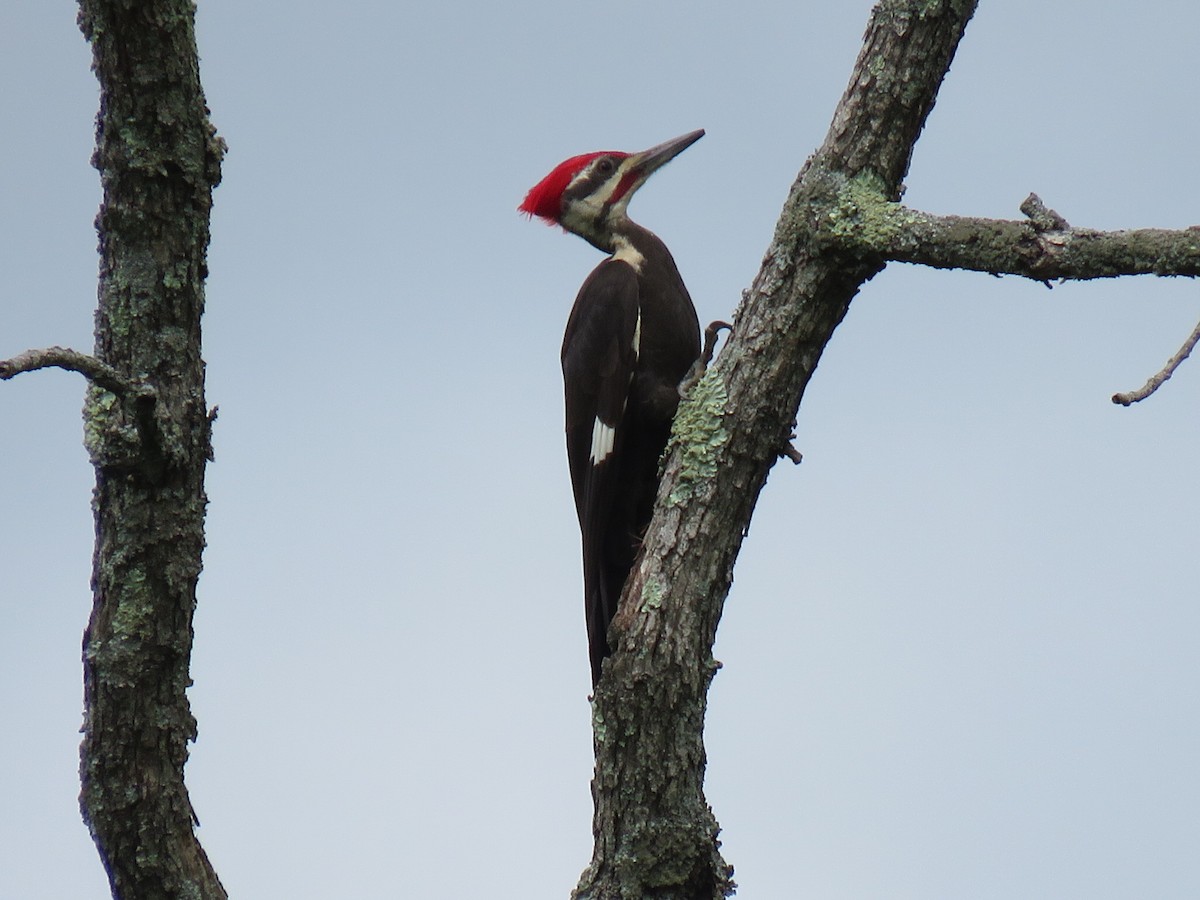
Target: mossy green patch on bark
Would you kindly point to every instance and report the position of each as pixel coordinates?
(109, 436)
(699, 431)
(652, 595)
(599, 726)
(863, 215)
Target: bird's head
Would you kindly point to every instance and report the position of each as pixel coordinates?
(588, 194)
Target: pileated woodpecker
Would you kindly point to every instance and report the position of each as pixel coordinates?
(631, 338)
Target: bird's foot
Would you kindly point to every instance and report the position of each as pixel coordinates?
(698, 367)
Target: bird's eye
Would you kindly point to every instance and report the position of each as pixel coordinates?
(605, 165)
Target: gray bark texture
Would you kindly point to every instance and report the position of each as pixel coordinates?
(159, 159)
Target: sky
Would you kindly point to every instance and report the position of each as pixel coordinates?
(959, 653)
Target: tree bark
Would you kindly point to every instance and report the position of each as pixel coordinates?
(655, 835)
(159, 159)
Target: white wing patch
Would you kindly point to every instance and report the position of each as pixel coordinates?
(603, 437)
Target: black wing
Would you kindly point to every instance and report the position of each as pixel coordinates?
(599, 356)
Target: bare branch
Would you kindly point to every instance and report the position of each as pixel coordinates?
(1157, 381)
(866, 224)
(94, 370)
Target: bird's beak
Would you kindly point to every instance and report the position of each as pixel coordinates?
(648, 161)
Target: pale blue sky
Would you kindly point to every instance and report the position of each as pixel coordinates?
(960, 651)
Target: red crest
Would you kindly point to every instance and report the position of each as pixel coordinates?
(544, 199)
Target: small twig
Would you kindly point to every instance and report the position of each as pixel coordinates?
(1163, 375)
(789, 450)
(208, 446)
(94, 370)
(1042, 217)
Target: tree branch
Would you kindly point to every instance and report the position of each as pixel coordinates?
(864, 223)
(1157, 381)
(655, 834)
(94, 370)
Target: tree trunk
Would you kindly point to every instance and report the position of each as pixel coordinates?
(159, 160)
(655, 834)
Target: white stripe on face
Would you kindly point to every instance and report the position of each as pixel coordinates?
(583, 215)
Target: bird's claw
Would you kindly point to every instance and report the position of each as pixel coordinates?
(698, 367)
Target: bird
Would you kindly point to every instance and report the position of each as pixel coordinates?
(632, 336)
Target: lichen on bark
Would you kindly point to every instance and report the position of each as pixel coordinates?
(700, 433)
(148, 439)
